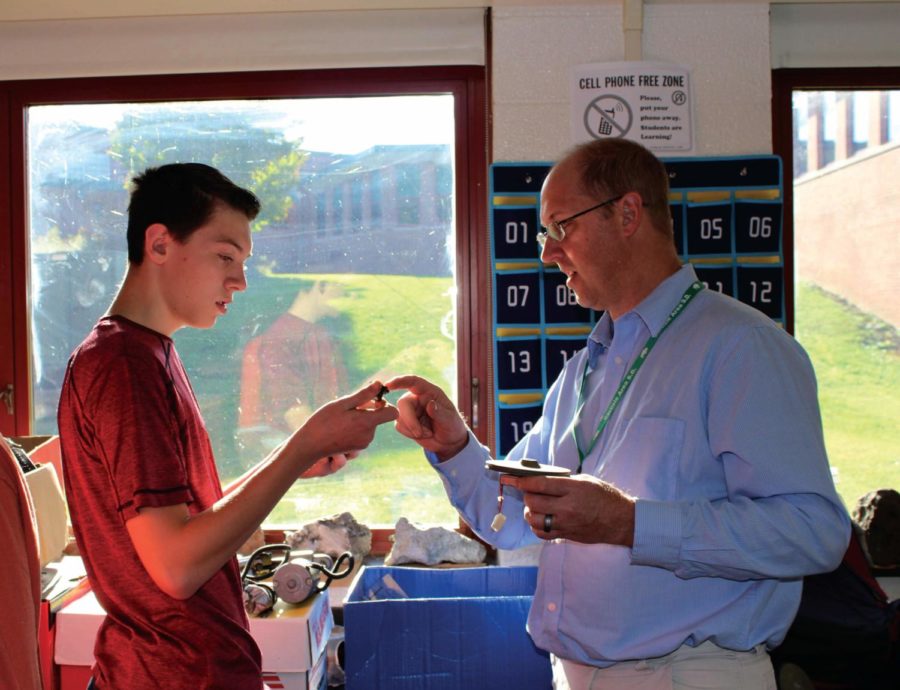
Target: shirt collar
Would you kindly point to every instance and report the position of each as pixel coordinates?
(657, 306)
(653, 311)
(599, 339)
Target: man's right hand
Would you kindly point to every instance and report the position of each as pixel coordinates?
(428, 417)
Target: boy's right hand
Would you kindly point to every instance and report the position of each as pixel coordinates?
(346, 425)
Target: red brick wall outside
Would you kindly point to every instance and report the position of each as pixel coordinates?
(847, 230)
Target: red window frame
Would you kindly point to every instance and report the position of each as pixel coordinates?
(784, 83)
(467, 84)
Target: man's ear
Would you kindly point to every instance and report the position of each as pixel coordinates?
(156, 243)
(632, 212)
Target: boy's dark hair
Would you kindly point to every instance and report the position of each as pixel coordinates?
(183, 197)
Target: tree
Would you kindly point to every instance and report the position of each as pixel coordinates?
(233, 137)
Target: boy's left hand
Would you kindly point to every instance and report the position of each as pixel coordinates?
(329, 465)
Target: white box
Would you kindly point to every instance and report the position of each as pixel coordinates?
(315, 678)
(293, 636)
(292, 640)
(76, 627)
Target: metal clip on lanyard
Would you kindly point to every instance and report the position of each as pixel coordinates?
(688, 295)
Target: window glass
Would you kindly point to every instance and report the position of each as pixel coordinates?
(352, 277)
(846, 147)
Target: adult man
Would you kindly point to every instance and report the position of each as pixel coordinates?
(700, 493)
(157, 533)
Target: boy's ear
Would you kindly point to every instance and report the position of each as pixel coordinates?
(156, 243)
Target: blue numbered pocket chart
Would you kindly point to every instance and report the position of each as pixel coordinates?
(727, 214)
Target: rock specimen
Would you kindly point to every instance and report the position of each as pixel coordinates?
(432, 546)
(333, 535)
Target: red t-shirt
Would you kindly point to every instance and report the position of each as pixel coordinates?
(132, 437)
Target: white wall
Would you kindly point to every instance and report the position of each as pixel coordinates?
(842, 34)
(111, 46)
(725, 47)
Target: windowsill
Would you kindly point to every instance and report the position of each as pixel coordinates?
(382, 539)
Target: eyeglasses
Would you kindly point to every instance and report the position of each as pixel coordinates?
(557, 229)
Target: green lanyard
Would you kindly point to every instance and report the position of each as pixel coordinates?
(627, 379)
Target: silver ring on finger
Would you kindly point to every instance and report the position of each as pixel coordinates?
(548, 522)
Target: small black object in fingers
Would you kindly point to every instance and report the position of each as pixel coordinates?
(548, 522)
(381, 393)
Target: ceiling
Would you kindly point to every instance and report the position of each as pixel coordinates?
(28, 10)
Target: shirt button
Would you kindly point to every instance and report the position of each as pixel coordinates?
(619, 361)
(551, 606)
(452, 473)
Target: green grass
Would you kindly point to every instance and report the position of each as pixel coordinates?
(386, 325)
(378, 487)
(857, 361)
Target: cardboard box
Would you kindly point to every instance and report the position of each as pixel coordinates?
(77, 677)
(293, 636)
(43, 450)
(315, 678)
(29, 443)
(292, 641)
(76, 627)
(442, 629)
(63, 582)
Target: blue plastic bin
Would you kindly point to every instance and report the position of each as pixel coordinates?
(450, 629)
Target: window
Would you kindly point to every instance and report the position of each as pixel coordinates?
(357, 272)
(839, 134)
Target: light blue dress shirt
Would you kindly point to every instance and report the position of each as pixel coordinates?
(720, 440)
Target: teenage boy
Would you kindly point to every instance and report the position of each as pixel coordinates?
(157, 532)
